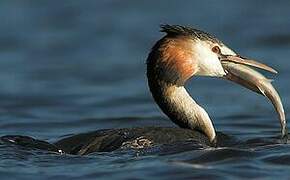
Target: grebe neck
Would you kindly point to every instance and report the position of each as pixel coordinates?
(179, 106)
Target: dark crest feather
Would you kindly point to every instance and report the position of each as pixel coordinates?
(188, 31)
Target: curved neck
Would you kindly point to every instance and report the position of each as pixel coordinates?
(178, 105)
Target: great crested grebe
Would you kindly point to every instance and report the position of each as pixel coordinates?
(182, 53)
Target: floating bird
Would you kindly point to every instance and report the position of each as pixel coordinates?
(182, 53)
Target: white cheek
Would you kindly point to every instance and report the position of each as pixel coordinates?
(208, 62)
(227, 51)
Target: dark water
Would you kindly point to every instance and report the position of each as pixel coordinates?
(73, 66)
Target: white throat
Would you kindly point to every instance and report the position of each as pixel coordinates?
(178, 105)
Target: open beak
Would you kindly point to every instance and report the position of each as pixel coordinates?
(238, 70)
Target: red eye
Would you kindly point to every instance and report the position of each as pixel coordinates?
(216, 49)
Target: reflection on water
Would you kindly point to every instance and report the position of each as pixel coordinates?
(79, 66)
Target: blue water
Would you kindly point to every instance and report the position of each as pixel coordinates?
(68, 67)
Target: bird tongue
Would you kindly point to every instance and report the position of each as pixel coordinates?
(251, 79)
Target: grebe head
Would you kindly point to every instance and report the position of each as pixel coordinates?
(184, 52)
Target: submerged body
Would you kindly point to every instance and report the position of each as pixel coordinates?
(120, 139)
(182, 53)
